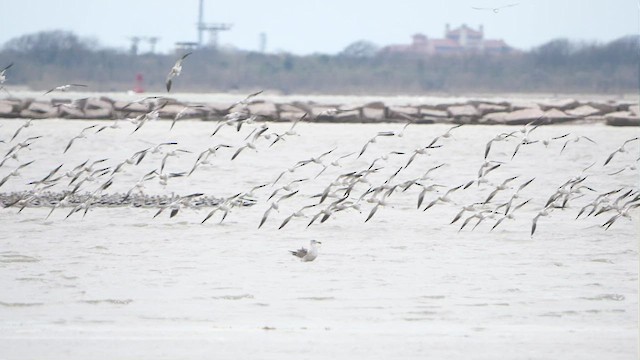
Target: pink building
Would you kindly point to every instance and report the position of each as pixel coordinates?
(457, 41)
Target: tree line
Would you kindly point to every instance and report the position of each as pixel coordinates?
(46, 59)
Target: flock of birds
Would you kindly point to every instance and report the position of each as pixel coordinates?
(84, 185)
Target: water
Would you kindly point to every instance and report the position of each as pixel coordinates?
(119, 283)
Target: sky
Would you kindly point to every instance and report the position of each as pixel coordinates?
(327, 26)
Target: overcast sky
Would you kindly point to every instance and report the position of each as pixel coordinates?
(321, 26)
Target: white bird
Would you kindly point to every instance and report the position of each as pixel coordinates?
(225, 206)
(64, 87)
(15, 172)
(307, 255)
(203, 158)
(548, 141)
(175, 152)
(481, 216)
(509, 215)
(501, 187)
(245, 102)
(275, 206)
(372, 141)
(499, 137)
(575, 139)
(82, 135)
(421, 151)
(443, 198)
(25, 125)
(621, 149)
(544, 212)
(3, 72)
(495, 9)
(624, 212)
(446, 135)
(182, 113)
(299, 213)
(175, 70)
(248, 145)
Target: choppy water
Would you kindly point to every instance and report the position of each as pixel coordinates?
(121, 284)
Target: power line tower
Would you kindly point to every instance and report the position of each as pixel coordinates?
(135, 42)
(213, 28)
(153, 40)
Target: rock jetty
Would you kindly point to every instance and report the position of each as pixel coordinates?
(616, 113)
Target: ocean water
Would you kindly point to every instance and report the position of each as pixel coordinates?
(119, 283)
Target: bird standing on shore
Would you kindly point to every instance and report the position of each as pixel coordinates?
(176, 70)
(307, 255)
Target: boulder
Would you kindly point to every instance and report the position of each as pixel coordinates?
(467, 111)
(525, 116)
(268, 109)
(477, 103)
(604, 107)
(7, 109)
(375, 105)
(560, 104)
(70, 112)
(219, 108)
(292, 108)
(374, 113)
(622, 118)
(95, 103)
(584, 111)
(30, 114)
(486, 108)
(319, 111)
(290, 115)
(302, 106)
(349, 116)
(523, 105)
(403, 112)
(101, 113)
(433, 113)
(445, 106)
(46, 109)
(127, 106)
(494, 118)
(555, 116)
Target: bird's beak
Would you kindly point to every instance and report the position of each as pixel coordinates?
(318, 242)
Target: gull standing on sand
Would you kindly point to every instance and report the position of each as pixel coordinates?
(307, 255)
(176, 70)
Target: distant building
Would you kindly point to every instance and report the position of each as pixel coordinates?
(457, 41)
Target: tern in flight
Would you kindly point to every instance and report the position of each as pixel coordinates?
(64, 88)
(175, 70)
(495, 9)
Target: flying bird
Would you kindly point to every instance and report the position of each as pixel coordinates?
(3, 72)
(495, 9)
(64, 88)
(175, 70)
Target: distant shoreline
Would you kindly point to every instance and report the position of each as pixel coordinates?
(490, 109)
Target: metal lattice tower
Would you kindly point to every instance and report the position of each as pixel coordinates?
(213, 28)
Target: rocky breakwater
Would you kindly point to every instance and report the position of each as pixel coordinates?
(478, 111)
